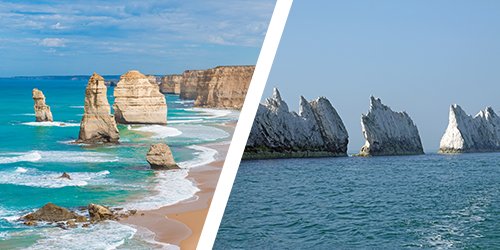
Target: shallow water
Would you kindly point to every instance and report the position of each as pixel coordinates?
(429, 201)
(33, 155)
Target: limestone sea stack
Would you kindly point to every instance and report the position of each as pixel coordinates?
(389, 133)
(466, 134)
(316, 131)
(138, 101)
(160, 157)
(42, 110)
(97, 125)
(171, 84)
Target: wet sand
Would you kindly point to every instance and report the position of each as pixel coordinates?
(181, 224)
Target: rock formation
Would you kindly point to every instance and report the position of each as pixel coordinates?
(190, 81)
(465, 133)
(389, 133)
(97, 125)
(153, 79)
(316, 131)
(51, 213)
(220, 87)
(65, 176)
(99, 213)
(160, 157)
(226, 87)
(171, 84)
(138, 101)
(42, 110)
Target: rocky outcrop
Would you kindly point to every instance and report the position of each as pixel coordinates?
(52, 213)
(465, 133)
(42, 110)
(99, 213)
(153, 79)
(316, 131)
(191, 79)
(171, 84)
(97, 125)
(227, 87)
(389, 133)
(160, 157)
(138, 101)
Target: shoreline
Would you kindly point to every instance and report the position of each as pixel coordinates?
(181, 223)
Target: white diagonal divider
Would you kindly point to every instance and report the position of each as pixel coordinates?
(247, 115)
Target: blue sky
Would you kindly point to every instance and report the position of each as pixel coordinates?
(111, 37)
(418, 56)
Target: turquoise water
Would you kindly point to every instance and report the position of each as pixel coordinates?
(409, 202)
(33, 156)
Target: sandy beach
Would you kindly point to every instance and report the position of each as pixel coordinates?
(181, 223)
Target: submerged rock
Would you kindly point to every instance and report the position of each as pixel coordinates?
(99, 213)
(465, 133)
(42, 110)
(65, 176)
(389, 133)
(51, 213)
(316, 131)
(97, 125)
(138, 101)
(160, 157)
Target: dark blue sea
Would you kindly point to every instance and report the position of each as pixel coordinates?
(408, 202)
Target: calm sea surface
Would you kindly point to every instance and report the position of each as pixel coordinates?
(422, 202)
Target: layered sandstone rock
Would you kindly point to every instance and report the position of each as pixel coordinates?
(191, 79)
(99, 213)
(153, 79)
(42, 110)
(138, 101)
(97, 125)
(227, 87)
(160, 157)
(465, 133)
(389, 133)
(316, 131)
(171, 84)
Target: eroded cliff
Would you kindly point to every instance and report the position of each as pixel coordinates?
(389, 133)
(465, 133)
(316, 131)
(42, 110)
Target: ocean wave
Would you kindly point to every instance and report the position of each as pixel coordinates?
(212, 113)
(77, 107)
(25, 114)
(159, 131)
(184, 101)
(106, 235)
(203, 157)
(45, 179)
(170, 187)
(56, 156)
(52, 124)
(201, 133)
(12, 158)
(185, 121)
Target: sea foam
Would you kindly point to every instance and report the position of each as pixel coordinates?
(46, 179)
(201, 133)
(52, 124)
(203, 157)
(158, 131)
(56, 156)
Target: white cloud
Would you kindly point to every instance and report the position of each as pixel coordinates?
(57, 26)
(53, 42)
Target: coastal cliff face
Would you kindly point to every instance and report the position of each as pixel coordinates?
(42, 110)
(190, 81)
(389, 133)
(171, 84)
(465, 133)
(138, 101)
(97, 125)
(227, 87)
(316, 131)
